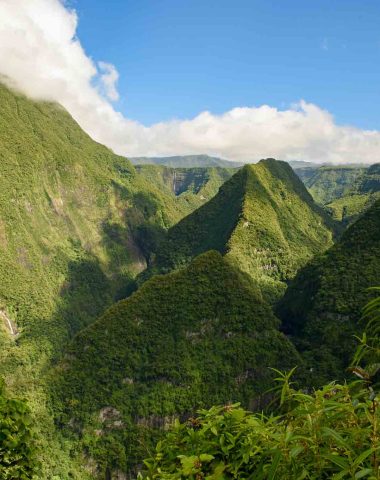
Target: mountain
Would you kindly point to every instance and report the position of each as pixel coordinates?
(263, 219)
(184, 340)
(69, 208)
(331, 182)
(186, 161)
(192, 186)
(71, 217)
(321, 309)
(301, 164)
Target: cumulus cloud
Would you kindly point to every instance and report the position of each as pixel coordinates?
(109, 78)
(41, 55)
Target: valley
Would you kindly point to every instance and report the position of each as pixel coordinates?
(133, 294)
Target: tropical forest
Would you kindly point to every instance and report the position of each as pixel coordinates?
(188, 290)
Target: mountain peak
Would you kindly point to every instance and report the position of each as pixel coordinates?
(263, 219)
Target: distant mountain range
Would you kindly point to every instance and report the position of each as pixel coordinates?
(186, 161)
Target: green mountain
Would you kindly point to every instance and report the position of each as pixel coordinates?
(192, 186)
(187, 339)
(69, 208)
(346, 190)
(364, 193)
(332, 182)
(262, 219)
(72, 215)
(321, 309)
(186, 161)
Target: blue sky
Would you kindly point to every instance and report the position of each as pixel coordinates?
(178, 58)
(238, 79)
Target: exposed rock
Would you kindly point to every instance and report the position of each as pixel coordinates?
(109, 414)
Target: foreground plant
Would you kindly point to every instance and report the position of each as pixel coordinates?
(331, 433)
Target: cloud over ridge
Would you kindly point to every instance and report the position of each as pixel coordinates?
(41, 55)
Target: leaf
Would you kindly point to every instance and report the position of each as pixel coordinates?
(275, 463)
(295, 451)
(363, 473)
(205, 457)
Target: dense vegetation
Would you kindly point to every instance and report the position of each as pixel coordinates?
(192, 186)
(346, 191)
(18, 445)
(332, 182)
(191, 338)
(263, 219)
(79, 223)
(322, 306)
(329, 434)
(75, 223)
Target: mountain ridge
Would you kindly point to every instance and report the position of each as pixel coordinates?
(255, 205)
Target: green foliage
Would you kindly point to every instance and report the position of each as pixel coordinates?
(346, 191)
(263, 219)
(192, 338)
(329, 434)
(330, 183)
(18, 445)
(322, 306)
(191, 186)
(348, 209)
(70, 214)
(368, 351)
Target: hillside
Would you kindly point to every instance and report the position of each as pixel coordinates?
(322, 306)
(68, 212)
(71, 213)
(263, 219)
(187, 339)
(191, 186)
(186, 161)
(332, 182)
(346, 191)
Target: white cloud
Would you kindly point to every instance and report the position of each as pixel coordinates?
(40, 53)
(109, 78)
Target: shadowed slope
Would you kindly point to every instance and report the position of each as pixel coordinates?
(322, 306)
(191, 338)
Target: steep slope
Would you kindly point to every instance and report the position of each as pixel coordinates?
(305, 173)
(187, 339)
(331, 182)
(191, 186)
(70, 214)
(364, 193)
(262, 218)
(186, 161)
(322, 306)
(68, 210)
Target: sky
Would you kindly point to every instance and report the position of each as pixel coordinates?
(244, 80)
(179, 58)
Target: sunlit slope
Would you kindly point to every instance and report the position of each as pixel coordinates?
(263, 219)
(69, 209)
(192, 187)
